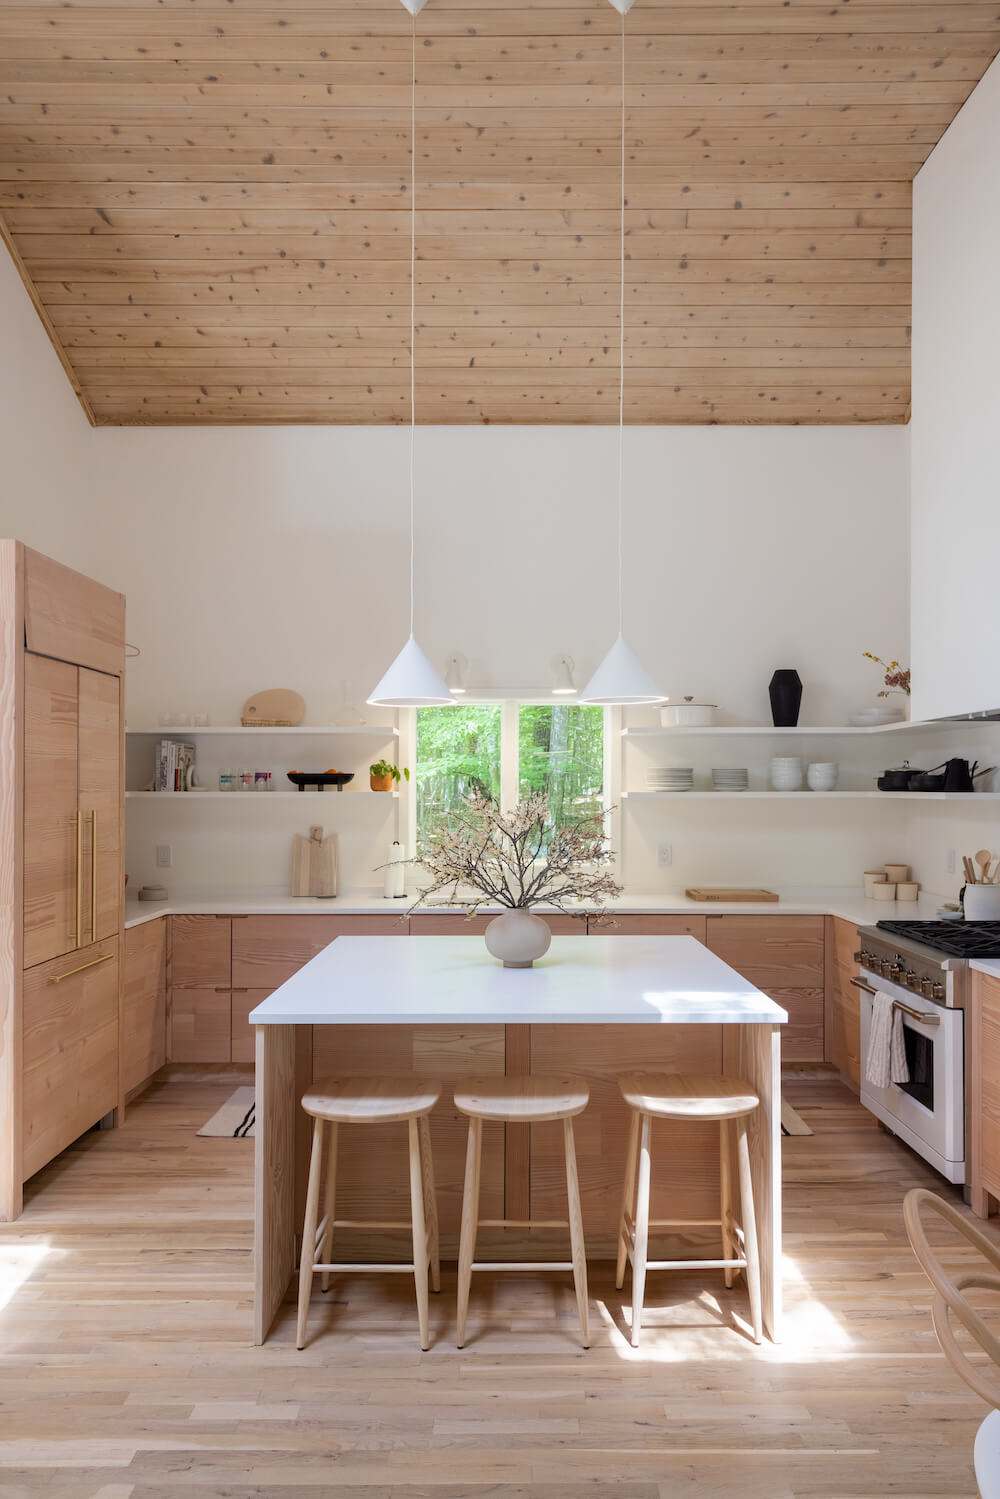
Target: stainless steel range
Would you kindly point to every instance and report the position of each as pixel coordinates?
(923, 965)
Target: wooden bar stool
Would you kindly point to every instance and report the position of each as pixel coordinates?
(663, 1096)
(520, 1100)
(370, 1100)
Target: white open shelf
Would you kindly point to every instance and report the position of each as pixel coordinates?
(258, 731)
(328, 798)
(836, 731)
(804, 795)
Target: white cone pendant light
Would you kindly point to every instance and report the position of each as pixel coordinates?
(621, 679)
(411, 681)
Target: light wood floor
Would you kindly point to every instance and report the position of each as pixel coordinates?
(126, 1370)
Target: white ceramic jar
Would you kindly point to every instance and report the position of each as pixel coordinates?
(981, 902)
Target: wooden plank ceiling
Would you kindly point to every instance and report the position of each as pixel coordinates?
(210, 198)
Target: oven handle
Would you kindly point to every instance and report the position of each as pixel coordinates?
(898, 1004)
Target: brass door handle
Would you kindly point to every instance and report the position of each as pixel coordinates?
(57, 978)
(79, 879)
(898, 1004)
(93, 875)
(860, 984)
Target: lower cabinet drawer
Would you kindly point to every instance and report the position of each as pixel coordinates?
(69, 1049)
(200, 1025)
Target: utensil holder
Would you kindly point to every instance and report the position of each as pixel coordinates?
(982, 903)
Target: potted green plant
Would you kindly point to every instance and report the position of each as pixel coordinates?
(382, 776)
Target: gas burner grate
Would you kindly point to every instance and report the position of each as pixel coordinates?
(959, 939)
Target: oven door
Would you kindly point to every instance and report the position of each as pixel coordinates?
(928, 1112)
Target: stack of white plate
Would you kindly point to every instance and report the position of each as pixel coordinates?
(786, 773)
(821, 776)
(730, 779)
(670, 778)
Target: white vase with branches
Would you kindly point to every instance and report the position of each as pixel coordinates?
(518, 859)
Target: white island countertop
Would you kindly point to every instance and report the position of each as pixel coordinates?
(453, 980)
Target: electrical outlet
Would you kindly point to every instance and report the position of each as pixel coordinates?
(164, 856)
(664, 855)
(951, 861)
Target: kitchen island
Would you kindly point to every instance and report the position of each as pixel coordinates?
(444, 1008)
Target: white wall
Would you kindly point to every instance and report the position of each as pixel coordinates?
(46, 496)
(256, 557)
(955, 427)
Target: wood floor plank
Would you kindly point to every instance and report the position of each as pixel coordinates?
(126, 1370)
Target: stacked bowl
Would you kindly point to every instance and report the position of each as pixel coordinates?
(821, 776)
(670, 778)
(786, 773)
(730, 779)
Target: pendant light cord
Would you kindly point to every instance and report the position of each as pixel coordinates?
(413, 278)
(621, 351)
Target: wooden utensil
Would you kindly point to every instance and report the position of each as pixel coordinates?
(314, 864)
(984, 859)
(970, 878)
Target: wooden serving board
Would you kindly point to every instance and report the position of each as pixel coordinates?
(727, 893)
(314, 864)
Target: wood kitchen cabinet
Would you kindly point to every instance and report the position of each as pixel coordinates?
(62, 654)
(72, 808)
(143, 1038)
(982, 1051)
(784, 957)
(650, 924)
(69, 1050)
(842, 1008)
(201, 980)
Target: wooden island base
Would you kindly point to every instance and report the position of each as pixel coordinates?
(522, 1166)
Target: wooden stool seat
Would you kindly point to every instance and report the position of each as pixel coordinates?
(727, 1101)
(687, 1096)
(522, 1100)
(371, 1100)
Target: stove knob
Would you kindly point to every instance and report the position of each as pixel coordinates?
(937, 991)
(860, 957)
(927, 988)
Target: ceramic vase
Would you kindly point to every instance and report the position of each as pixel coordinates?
(517, 938)
(785, 692)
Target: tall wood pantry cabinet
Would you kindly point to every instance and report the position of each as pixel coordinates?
(62, 662)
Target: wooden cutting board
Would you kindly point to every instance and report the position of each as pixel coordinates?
(278, 705)
(727, 893)
(314, 864)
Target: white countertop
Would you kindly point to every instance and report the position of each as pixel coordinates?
(848, 903)
(453, 980)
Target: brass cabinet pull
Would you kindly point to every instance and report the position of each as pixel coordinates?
(79, 879)
(93, 875)
(57, 978)
(222, 989)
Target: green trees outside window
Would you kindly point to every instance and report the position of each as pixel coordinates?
(561, 752)
(458, 752)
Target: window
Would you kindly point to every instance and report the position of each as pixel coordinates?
(561, 752)
(507, 751)
(458, 752)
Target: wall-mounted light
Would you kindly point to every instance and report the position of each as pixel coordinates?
(564, 686)
(454, 676)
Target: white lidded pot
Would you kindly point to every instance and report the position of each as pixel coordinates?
(687, 714)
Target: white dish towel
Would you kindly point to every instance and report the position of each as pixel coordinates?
(886, 1048)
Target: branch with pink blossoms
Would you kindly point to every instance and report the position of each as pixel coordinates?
(488, 857)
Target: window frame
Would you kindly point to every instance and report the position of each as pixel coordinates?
(510, 705)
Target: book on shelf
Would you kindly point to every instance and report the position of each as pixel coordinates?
(174, 766)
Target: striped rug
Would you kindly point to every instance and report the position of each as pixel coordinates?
(234, 1120)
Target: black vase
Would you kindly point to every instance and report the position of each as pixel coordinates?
(785, 692)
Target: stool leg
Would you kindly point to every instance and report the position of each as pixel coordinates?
(726, 1196)
(309, 1232)
(640, 1251)
(470, 1223)
(420, 1245)
(430, 1202)
(578, 1251)
(329, 1206)
(748, 1218)
(628, 1200)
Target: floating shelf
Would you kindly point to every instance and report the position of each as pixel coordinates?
(739, 731)
(813, 796)
(366, 731)
(327, 797)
